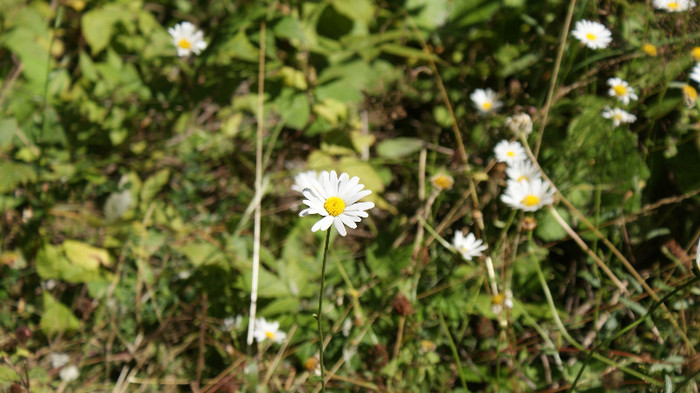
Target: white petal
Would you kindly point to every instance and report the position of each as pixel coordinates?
(339, 226)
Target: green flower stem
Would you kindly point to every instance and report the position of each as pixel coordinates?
(571, 340)
(318, 314)
(454, 351)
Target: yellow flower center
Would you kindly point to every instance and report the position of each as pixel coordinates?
(591, 36)
(487, 105)
(521, 178)
(618, 116)
(498, 299)
(510, 153)
(620, 90)
(530, 200)
(696, 53)
(184, 43)
(690, 92)
(673, 5)
(270, 335)
(334, 206)
(443, 182)
(650, 50)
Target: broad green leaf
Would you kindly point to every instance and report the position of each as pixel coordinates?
(358, 10)
(8, 129)
(14, 174)
(57, 318)
(98, 26)
(152, 186)
(85, 255)
(548, 229)
(395, 148)
(201, 253)
(8, 375)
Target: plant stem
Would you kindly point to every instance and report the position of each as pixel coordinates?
(454, 351)
(318, 314)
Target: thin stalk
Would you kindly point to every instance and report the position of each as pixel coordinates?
(574, 343)
(258, 187)
(454, 351)
(319, 313)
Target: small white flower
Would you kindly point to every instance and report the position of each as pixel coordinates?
(336, 199)
(486, 101)
(520, 124)
(528, 196)
(593, 34)
(265, 330)
(619, 116)
(674, 5)
(501, 300)
(442, 181)
(621, 90)
(69, 373)
(523, 170)
(695, 73)
(304, 180)
(58, 359)
(509, 152)
(469, 246)
(187, 39)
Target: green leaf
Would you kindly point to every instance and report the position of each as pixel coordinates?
(85, 255)
(8, 375)
(14, 174)
(57, 318)
(357, 10)
(152, 186)
(8, 129)
(98, 27)
(548, 229)
(395, 148)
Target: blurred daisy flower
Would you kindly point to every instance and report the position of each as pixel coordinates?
(265, 330)
(442, 181)
(336, 199)
(509, 152)
(502, 300)
(593, 34)
(528, 195)
(469, 246)
(187, 39)
(486, 101)
(69, 373)
(618, 116)
(523, 170)
(695, 73)
(621, 90)
(304, 180)
(690, 96)
(673, 5)
(519, 124)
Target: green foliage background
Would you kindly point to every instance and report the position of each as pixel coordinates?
(126, 193)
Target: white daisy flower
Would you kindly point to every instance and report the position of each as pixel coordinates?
(486, 101)
(593, 34)
(523, 170)
(520, 124)
(673, 5)
(469, 246)
(69, 373)
(695, 73)
(304, 180)
(59, 359)
(442, 181)
(336, 199)
(265, 330)
(187, 39)
(509, 152)
(621, 90)
(502, 300)
(619, 116)
(528, 195)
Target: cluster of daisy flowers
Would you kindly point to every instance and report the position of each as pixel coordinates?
(624, 93)
(525, 190)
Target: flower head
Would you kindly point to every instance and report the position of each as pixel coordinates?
(621, 90)
(336, 199)
(520, 124)
(619, 116)
(486, 101)
(69, 373)
(265, 330)
(469, 246)
(695, 52)
(674, 5)
(690, 96)
(523, 171)
(442, 181)
(650, 50)
(187, 39)
(695, 73)
(592, 34)
(528, 195)
(502, 299)
(509, 152)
